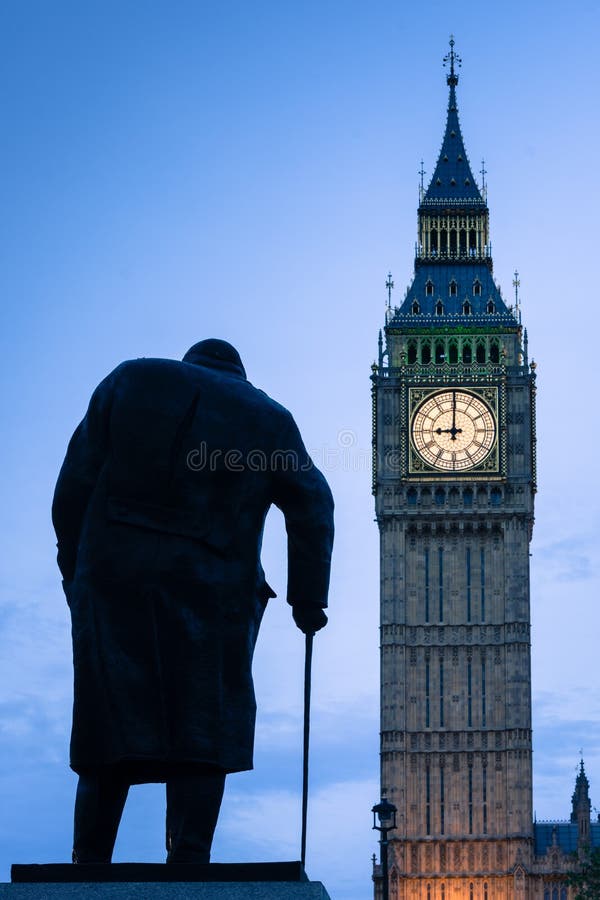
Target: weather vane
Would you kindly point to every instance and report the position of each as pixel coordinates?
(452, 58)
(517, 285)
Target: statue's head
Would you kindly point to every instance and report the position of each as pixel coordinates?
(216, 354)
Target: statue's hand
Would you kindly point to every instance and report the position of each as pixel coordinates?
(309, 619)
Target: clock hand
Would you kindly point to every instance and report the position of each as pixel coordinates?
(451, 431)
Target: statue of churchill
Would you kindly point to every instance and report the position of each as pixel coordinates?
(159, 512)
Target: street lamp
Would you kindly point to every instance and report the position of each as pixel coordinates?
(385, 812)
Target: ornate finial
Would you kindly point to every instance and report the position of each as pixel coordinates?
(452, 58)
(421, 186)
(483, 173)
(517, 285)
(390, 287)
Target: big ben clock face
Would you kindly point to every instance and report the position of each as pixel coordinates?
(453, 430)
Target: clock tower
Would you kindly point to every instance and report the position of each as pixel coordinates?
(454, 485)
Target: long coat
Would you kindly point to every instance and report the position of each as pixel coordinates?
(159, 512)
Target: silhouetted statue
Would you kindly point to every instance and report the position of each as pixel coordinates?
(159, 512)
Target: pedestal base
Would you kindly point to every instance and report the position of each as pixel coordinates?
(147, 881)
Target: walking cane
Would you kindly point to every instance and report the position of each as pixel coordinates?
(307, 668)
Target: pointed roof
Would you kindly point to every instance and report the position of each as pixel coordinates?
(453, 179)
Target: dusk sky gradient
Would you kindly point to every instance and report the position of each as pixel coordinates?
(179, 170)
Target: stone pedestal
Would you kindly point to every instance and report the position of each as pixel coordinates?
(139, 881)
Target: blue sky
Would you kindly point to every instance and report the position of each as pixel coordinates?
(173, 171)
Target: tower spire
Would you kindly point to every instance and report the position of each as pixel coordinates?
(453, 180)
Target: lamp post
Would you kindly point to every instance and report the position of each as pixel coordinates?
(386, 813)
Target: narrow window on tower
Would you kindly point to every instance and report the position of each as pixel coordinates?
(441, 693)
(469, 695)
(412, 351)
(427, 584)
(427, 676)
(467, 308)
(441, 583)
(494, 351)
(482, 559)
(484, 798)
(480, 353)
(471, 891)
(483, 698)
(442, 792)
(416, 308)
(439, 308)
(425, 354)
(485, 891)
(428, 892)
(427, 799)
(453, 288)
(453, 353)
(470, 800)
(477, 288)
(443, 892)
(468, 584)
(467, 354)
(429, 288)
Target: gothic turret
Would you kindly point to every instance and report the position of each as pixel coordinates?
(581, 808)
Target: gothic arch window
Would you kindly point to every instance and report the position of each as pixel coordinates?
(426, 353)
(462, 241)
(496, 496)
(453, 353)
(429, 288)
(467, 308)
(440, 496)
(467, 354)
(412, 353)
(453, 241)
(453, 288)
(468, 498)
(491, 306)
(433, 239)
(472, 242)
(411, 497)
(494, 352)
(440, 356)
(480, 352)
(439, 308)
(477, 288)
(416, 308)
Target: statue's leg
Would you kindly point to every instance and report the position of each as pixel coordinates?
(99, 803)
(193, 803)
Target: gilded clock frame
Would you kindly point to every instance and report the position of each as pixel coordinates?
(490, 466)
